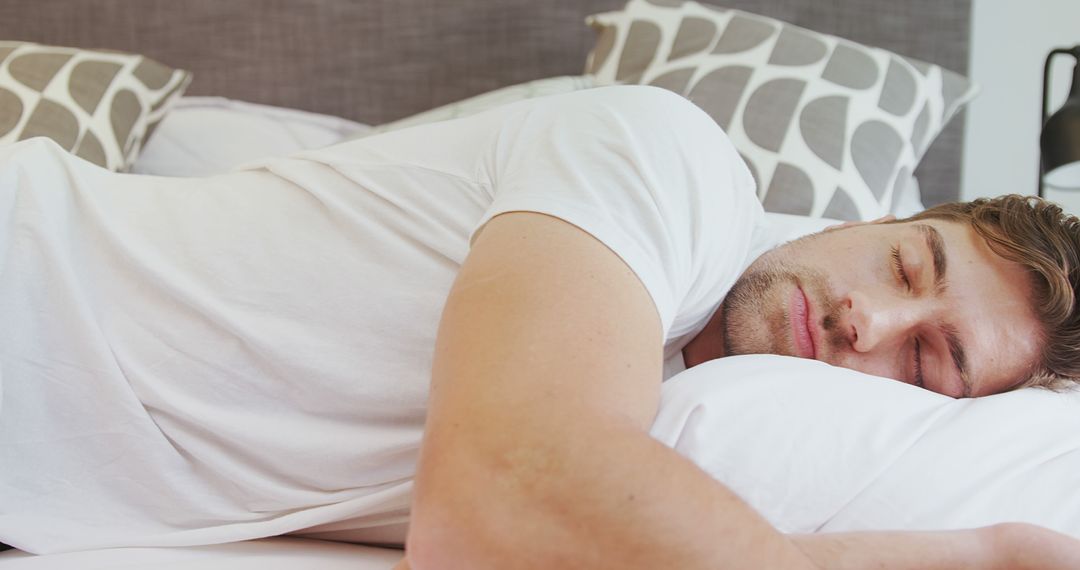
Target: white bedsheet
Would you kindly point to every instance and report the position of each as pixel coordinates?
(283, 553)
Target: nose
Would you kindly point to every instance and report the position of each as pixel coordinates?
(876, 319)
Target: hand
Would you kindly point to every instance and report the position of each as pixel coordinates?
(1012, 546)
(403, 565)
(1019, 546)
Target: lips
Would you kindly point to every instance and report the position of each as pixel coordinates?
(799, 315)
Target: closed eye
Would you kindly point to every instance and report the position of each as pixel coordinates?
(898, 263)
(918, 365)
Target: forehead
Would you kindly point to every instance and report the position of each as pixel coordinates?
(988, 299)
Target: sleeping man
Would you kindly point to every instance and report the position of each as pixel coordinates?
(463, 327)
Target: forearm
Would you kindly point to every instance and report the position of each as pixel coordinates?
(948, 550)
(583, 497)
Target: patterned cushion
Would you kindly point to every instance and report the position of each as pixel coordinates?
(99, 105)
(828, 127)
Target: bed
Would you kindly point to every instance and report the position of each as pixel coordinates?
(247, 79)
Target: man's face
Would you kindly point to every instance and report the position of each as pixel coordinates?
(926, 302)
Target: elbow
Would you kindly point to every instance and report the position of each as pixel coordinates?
(471, 510)
(451, 519)
(460, 520)
(429, 546)
(442, 538)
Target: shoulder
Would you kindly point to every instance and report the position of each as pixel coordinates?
(656, 133)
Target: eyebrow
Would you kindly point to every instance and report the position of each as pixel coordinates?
(936, 244)
(959, 358)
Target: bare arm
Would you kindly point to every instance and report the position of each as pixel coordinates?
(1001, 547)
(536, 452)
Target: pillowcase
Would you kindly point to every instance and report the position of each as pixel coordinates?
(816, 448)
(489, 100)
(907, 201)
(829, 127)
(99, 105)
(203, 136)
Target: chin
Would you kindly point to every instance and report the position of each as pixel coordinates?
(745, 338)
(759, 325)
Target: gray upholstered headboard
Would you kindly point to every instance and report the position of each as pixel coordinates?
(377, 60)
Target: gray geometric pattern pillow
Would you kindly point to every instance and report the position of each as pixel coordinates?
(99, 105)
(829, 127)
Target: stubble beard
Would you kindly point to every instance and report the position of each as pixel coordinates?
(756, 314)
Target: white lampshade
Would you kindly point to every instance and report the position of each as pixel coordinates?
(1066, 177)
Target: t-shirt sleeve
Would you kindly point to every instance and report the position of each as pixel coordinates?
(645, 172)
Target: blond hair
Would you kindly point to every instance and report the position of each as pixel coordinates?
(1043, 239)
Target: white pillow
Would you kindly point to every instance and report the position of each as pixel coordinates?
(203, 136)
(489, 100)
(907, 201)
(819, 448)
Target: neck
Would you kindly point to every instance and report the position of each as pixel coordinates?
(708, 344)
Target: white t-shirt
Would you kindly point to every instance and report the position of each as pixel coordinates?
(191, 361)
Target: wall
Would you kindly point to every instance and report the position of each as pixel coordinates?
(1010, 41)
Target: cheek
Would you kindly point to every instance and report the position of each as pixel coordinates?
(832, 254)
(885, 366)
(1011, 351)
(855, 268)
